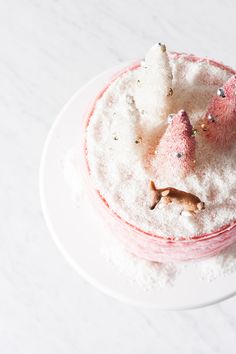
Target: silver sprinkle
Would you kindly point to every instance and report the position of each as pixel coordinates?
(221, 92)
(115, 137)
(138, 140)
(170, 118)
(211, 118)
(163, 47)
(179, 155)
(129, 99)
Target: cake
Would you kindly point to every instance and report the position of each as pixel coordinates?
(160, 156)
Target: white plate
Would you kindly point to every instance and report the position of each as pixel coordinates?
(79, 233)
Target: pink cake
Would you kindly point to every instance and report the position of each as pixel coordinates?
(137, 232)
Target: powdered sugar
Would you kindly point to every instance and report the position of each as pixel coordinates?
(149, 275)
(121, 147)
(72, 174)
(145, 274)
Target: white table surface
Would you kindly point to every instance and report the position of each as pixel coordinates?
(48, 50)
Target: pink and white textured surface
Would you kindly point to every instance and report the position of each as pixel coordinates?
(220, 120)
(49, 49)
(175, 154)
(155, 248)
(149, 245)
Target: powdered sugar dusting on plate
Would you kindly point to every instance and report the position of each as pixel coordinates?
(147, 275)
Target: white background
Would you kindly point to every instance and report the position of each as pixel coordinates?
(48, 50)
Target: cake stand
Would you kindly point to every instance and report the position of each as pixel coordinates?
(79, 232)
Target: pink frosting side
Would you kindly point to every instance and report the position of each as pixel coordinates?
(143, 244)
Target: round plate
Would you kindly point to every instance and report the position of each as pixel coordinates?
(79, 232)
